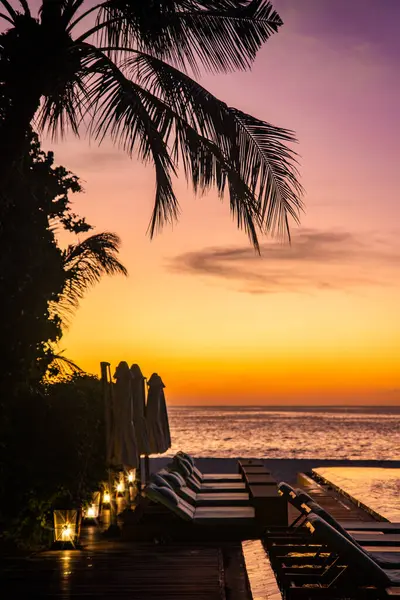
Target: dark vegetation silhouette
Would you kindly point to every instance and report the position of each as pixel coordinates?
(51, 429)
(52, 448)
(40, 280)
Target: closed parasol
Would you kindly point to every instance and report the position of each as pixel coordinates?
(157, 416)
(139, 409)
(122, 444)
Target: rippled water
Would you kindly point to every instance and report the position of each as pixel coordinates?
(378, 488)
(362, 433)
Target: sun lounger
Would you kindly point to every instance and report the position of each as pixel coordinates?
(226, 522)
(341, 570)
(178, 484)
(380, 538)
(186, 470)
(359, 562)
(316, 551)
(204, 488)
(298, 498)
(300, 550)
(207, 477)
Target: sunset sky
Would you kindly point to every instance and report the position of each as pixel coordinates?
(317, 322)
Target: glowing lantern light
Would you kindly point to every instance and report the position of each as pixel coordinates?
(106, 498)
(67, 527)
(67, 533)
(93, 510)
(131, 477)
(120, 487)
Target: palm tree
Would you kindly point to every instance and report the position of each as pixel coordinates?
(84, 265)
(121, 68)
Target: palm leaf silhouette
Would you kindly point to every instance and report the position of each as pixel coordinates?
(84, 264)
(127, 69)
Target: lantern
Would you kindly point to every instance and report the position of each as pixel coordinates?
(120, 487)
(132, 484)
(93, 510)
(67, 527)
(106, 497)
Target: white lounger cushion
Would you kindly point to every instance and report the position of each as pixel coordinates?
(207, 515)
(238, 516)
(224, 496)
(204, 477)
(224, 476)
(225, 512)
(235, 486)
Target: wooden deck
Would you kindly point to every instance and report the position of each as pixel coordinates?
(115, 570)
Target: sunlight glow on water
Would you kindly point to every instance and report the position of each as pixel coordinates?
(378, 488)
(301, 432)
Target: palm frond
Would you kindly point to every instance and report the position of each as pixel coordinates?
(65, 102)
(60, 367)
(70, 8)
(25, 6)
(258, 151)
(119, 103)
(11, 11)
(220, 34)
(268, 166)
(85, 264)
(205, 165)
(119, 110)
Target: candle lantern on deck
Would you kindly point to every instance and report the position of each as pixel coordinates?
(120, 487)
(132, 484)
(67, 527)
(105, 495)
(92, 511)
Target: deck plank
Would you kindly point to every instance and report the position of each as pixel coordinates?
(134, 571)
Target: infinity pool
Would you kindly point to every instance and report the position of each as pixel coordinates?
(377, 488)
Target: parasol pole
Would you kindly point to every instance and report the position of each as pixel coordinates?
(107, 396)
(146, 456)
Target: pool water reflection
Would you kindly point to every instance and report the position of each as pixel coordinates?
(378, 488)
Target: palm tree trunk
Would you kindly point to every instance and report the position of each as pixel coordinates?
(15, 133)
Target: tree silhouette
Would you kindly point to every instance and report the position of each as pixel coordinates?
(122, 69)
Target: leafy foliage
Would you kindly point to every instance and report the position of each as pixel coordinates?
(85, 264)
(55, 448)
(31, 267)
(40, 278)
(129, 77)
(38, 420)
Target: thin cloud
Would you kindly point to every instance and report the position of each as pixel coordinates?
(316, 259)
(99, 160)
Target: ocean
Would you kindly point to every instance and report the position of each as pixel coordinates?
(313, 433)
(355, 433)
